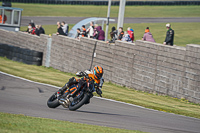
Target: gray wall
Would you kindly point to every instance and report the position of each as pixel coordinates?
(24, 40)
(146, 66)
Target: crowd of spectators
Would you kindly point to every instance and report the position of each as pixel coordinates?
(128, 36)
(62, 28)
(95, 31)
(35, 29)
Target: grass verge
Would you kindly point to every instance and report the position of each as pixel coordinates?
(12, 123)
(185, 33)
(111, 91)
(101, 11)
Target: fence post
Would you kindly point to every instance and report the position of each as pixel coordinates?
(48, 53)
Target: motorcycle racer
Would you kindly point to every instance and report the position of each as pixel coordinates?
(74, 84)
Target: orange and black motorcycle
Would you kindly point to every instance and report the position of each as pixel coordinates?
(88, 86)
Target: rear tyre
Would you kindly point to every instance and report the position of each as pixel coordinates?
(81, 103)
(53, 101)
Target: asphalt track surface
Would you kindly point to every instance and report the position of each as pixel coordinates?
(19, 96)
(74, 20)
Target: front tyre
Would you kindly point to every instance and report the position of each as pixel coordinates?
(85, 99)
(53, 101)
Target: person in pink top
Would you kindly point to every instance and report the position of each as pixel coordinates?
(148, 36)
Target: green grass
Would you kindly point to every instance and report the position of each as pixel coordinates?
(185, 33)
(111, 91)
(12, 123)
(101, 11)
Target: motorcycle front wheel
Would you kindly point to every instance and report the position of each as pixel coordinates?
(53, 101)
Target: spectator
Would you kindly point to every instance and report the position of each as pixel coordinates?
(78, 33)
(113, 35)
(169, 40)
(4, 18)
(37, 30)
(32, 24)
(100, 34)
(121, 33)
(90, 30)
(148, 36)
(131, 34)
(30, 30)
(59, 29)
(126, 37)
(95, 31)
(29, 26)
(65, 28)
(41, 30)
(83, 31)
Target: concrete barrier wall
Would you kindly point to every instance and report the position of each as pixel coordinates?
(71, 55)
(25, 40)
(146, 66)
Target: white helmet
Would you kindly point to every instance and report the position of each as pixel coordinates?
(168, 25)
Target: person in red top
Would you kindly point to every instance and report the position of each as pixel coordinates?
(33, 31)
(131, 34)
(4, 19)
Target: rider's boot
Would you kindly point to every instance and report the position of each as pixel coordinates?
(71, 81)
(74, 93)
(61, 90)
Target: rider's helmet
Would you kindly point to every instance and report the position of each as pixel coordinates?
(98, 72)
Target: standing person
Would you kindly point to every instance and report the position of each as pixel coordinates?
(148, 36)
(131, 34)
(32, 24)
(90, 30)
(78, 33)
(59, 29)
(95, 31)
(100, 34)
(29, 27)
(126, 37)
(4, 18)
(121, 33)
(37, 30)
(65, 27)
(31, 30)
(169, 40)
(113, 35)
(84, 31)
(41, 30)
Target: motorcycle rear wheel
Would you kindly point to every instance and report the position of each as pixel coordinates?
(81, 103)
(53, 101)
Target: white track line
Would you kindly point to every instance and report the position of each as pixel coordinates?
(94, 96)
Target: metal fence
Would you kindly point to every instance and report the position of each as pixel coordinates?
(103, 2)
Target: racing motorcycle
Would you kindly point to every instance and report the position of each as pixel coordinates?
(83, 95)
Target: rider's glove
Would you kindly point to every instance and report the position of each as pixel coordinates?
(98, 91)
